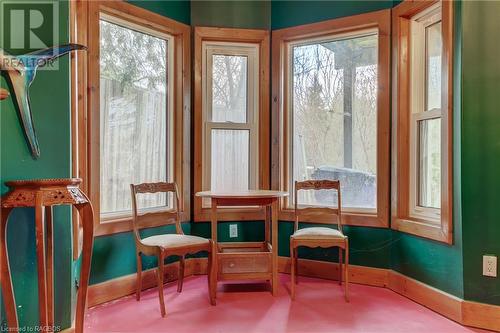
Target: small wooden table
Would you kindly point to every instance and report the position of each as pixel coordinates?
(246, 260)
(43, 194)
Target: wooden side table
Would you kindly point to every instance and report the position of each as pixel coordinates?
(246, 260)
(43, 195)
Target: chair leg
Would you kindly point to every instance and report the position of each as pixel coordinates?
(210, 277)
(340, 266)
(292, 269)
(139, 277)
(159, 276)
(346, 271)
(180, 278)
(296, 255)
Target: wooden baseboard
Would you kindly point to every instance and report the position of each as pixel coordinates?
(468, 313)
(430, 297)
(371, 276)
(481, 315)
(125, 285)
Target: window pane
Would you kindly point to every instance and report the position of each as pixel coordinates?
(429, 152)
(229, 88)
(434, 49)
(230, 160)
(133, 109)
(335, 118)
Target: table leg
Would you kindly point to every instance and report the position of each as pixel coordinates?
(274, 235)
(215, 248)
(87, 219)
(7, 291)
(268, 224)
(50, 267)
(40, 254)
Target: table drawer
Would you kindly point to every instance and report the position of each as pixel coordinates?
(231, 263)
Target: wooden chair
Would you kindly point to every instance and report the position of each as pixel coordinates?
(319, 236)
(165, 245)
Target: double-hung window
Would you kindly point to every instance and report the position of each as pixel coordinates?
(230, 116)
(422, 119)
(425, 109)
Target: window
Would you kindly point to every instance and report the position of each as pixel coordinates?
(231, 114)
(135, 115)
(131, 114)
(332, 103)
(231, 137)
(423, 127)
(334, 124)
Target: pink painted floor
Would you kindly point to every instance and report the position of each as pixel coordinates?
(247, 308)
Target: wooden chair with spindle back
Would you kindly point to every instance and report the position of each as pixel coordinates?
(165, 245)
(319, 236)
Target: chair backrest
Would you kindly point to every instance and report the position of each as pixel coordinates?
(171, 216)
(318, 185)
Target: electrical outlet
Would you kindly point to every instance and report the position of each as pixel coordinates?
(490, 265)
(233, 230)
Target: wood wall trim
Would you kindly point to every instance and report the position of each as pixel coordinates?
(261, 37)
(371, 276)
(400, 174)
(279, 138)
(464, 312)
(125, 285)
(85, 90)
(481, 315)
(432, 298)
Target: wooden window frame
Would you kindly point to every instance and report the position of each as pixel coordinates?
(281, 39)
(402, 218)
(230, 35)
(85, 106)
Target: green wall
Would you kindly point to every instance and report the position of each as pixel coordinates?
(480, 146)
(231, 14)
(50, 100)
(289, 13)
(178, 10)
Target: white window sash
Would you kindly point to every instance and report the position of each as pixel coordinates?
(418, 111)
(251, 52)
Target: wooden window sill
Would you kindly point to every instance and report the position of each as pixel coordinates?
(151, 220)
(348, 218)
(422, 229)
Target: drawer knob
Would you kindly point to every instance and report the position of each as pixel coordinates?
(231, 264)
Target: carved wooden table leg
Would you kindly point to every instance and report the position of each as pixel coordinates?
(7, 291)
(40, 255)
(87, 217)
(50, 265)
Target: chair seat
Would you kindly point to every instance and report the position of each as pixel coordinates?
(318, 233)
(174, 240)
